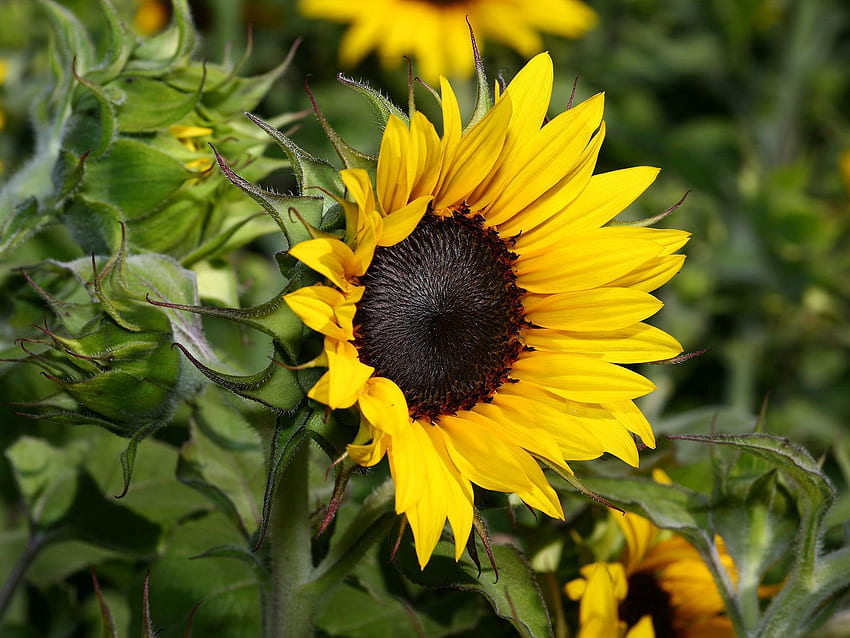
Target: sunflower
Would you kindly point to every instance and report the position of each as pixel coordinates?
(661, 587)
(434, 31)
(477, 308)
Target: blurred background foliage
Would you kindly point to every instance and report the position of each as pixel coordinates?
(744, 104)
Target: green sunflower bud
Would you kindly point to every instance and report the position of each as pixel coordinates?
(108, 352)
(125, 140)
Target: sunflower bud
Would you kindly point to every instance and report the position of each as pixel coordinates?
(125, 140)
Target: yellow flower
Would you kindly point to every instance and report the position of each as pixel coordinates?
(435, 33)
(151, 17)
(659, 577)
(477, 309)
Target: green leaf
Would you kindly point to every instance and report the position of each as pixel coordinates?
(20, 222)
(231, 479)
(668, 506)
(514, 595)
(46, 477)
(228, 587)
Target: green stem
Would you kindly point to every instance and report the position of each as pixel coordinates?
(35, 544)
(289, 607)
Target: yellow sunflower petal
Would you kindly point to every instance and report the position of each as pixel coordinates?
(532, 416)
(605, 196)
(588, 261)
(326, 310)
(640, 534)
(652, 274)
(328, 257)
(644, 628)
(637, 343)
(552, 153)
(591, 310)
(369, 454)
(400, 223)
(474, 156)
(631, 418)
(581, 378)
(393, 182)
(424, 156)
(342, 384)
(530, 91)
(426, 490)
(461, 497)
(382, 403)
(494, 464)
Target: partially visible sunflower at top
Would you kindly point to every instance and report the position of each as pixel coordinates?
(434, 31)
(477, 309)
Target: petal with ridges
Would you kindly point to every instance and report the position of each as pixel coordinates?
(393, 184)
(589, 261)
(581, 378)
(591, 310)
(326, 310)
(399, 224)
(474, 157)
(638, 343)
(383, 405)
(328, 257)
(651, 275)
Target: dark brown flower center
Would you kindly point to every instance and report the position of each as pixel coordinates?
(646, 597)
(441, 314)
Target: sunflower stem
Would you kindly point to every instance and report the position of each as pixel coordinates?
(288, 606)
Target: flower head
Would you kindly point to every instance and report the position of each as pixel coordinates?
(660, 587)
(477, 309)
(434, 31)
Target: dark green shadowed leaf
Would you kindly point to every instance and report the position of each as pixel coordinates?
(514, 596)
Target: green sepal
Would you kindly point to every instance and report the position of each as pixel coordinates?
(161, 53)
(275, 387)
(107, 623)
(381, 105)
(68, 173)
(278, 206)
(121, 42)
(483, 98)
(70, 38)
(148, 103)
(22, 222)
(514, 594)
(273, 317)
(106, 123)
(310, 172)
(244, 94)
(134, 177)
(350, 156)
